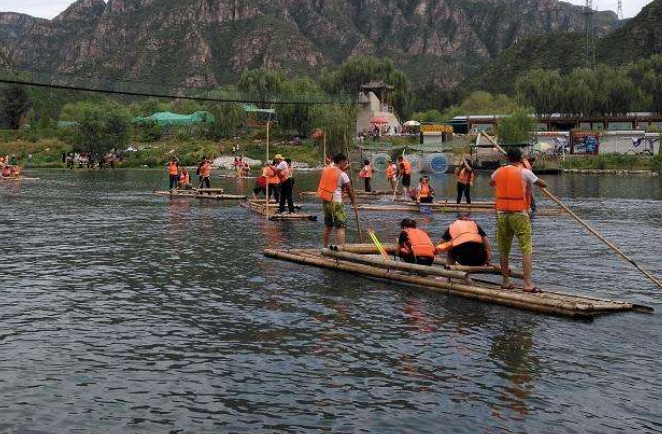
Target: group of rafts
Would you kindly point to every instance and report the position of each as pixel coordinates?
(373, 260)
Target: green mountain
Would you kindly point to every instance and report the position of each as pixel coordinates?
(210, 42)
(639, 38)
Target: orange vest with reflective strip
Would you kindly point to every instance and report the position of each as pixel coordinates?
(405, 166)
(465, 176)
(328, 183)
(510, 190)
(172, 169)
(461, 231)
(205, 170)
(390, 171)
(270, 174)
(424, 191)
(418, 244)
(366, 172)
(184, 178)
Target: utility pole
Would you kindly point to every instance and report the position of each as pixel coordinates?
(588, 13)
(620, 10)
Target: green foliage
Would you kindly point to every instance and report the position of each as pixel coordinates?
(541, 89)
(101, 127)
(428, 116)
(260, 83)
(481, 103)
(297, 117)
(229, 118)
(359, 70)
(339, 123)
(515, 128)
(613, 162)
(14, 104)
(149, 106)
(149, 131)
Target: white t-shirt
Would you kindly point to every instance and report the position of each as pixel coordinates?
(343, 180)
(284, 169)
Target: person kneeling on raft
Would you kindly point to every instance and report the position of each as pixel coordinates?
(466, 243)
(414, 245)
(423, 193)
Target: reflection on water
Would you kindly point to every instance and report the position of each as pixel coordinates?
(127, 312)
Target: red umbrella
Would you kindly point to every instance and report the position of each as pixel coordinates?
(379, 120)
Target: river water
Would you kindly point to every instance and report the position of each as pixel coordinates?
(127, 312)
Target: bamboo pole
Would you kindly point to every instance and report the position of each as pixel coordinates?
(266, 191)
(324, 148)
(534, 302)
(486, 269)
(494, 143)
(602, 238)
(394, 265)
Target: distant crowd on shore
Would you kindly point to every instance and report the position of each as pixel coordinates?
(91, 160)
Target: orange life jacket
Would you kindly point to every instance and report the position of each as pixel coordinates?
(185, 178)
(510, 189)
(6, 172)
(405, 166)
(418, 244)
(172, 168)
(15, 171)
(465, 176)
(390, 171)
(205, 170)
(424, 191)
(328, 183)
(366, 171)
(270, 174)
(461, 231)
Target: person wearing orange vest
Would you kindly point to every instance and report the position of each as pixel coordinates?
(465, 179)
(404, 171)
(284, 173)
(366, 173)
(205, 173)
(392, 174)
(424, 191)
(527, 163)
(512, 205)
(466, 243)
(15, 171)
(184, 181)
(414, 245)
(6, 172)
(333, 182)
(173, 172)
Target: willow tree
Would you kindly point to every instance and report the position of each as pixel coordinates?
(540, 89)
(515, 128)
(338, 121)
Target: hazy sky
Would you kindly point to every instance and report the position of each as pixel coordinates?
(50, 8)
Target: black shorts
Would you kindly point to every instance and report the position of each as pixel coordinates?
(420, 260)
(406, 180)
(469, 254)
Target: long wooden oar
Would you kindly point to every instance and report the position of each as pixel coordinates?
(603, 239)
(495, 144)
(380, 247)
(356, 213)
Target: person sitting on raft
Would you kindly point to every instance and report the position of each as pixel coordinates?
(7, 172)
(184, 182)
(414, 245)
(466, 243)
(424, 193)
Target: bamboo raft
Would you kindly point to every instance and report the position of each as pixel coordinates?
(207, 190)
(197, 195)
(451, 208)
(18, 178)
(259, 207)
(427, 278)
(229, 176)
(376, 193)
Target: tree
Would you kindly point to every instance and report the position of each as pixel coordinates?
(515, 128)
(228, 119)
(428, 116)
(338, 121)
(298, 116)
(101, 127)
(577, 95)
(260, 84)
(149, 106)
(14, 104)
(541, 89)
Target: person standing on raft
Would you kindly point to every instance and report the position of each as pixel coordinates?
(392, 174)
(527, 163)
(465, 179)
(366, 173)
(414, 245)
(404, 172)
(284, 174)
(173, 172)
(333, 182)
(512, 204)
(205, 172)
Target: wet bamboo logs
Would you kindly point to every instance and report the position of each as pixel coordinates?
(573, 306)
(544, 212)
(365, 249)
(207, 190)
(196, 195)
(485, 269)
(394, 265)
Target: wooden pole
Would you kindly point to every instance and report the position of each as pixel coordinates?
(601, 238)
(495, 144)
(324, 148)
(266, 191)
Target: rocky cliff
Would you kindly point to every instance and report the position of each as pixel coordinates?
(208, 42)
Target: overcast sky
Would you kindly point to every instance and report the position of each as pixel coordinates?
(50, 8)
